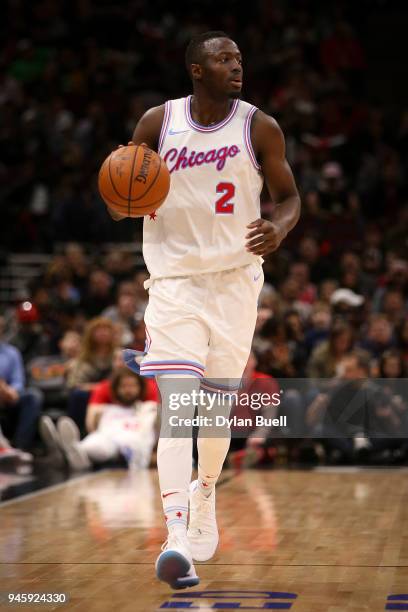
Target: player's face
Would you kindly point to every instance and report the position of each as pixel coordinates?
(221, 72)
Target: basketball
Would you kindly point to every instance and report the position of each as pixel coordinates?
(134, 181)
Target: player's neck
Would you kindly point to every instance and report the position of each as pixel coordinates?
(207, 110)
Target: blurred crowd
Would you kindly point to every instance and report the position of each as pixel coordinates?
(337, 290)
(65, 106)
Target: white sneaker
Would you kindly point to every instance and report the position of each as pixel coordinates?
(202, 529)
(50, 437)
(69, 437)
(175, 564)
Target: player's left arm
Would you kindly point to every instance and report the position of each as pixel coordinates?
(269, 146)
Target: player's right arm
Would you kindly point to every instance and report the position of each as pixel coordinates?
(147, 131)
(148, 128)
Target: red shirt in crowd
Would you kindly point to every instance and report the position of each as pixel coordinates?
(102, 392)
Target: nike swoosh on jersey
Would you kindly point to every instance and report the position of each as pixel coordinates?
(174, 132)
(257, 277)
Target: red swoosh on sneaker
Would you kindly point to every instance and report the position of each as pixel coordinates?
(167, 494)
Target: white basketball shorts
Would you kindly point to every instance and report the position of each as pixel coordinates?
(202, 325)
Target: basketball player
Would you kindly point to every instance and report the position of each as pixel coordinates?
(203, 249)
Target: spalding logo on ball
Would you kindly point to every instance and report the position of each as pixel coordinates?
(134, 181)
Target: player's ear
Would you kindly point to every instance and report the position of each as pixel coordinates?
(196, 72)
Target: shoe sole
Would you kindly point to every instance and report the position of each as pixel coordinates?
(172, 567)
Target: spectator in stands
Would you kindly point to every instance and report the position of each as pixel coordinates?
(30, 337)
(326, 289)
(20, 407)
(300, 271)
(125, 428)
(102, 392)
(98, 294)
(379, 335)
(319, 326)
(123, 312)
(276, 358)
(295, 334)
(309, 252)
(351, 409)
(348, 305)
(393, 306)
(48, 373)
(78, 265)
(349, 157)
(329, 353)
(392, 373)
(93, 364)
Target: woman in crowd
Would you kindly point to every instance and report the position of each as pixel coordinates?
(93, 364)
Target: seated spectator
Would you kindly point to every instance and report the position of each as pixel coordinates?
(391, 364)
(328, 354)
(48, 373)
(123, 313)
(93, 364)
(326, 289)
(30, 337)
(393, 306)
(14, 456)
(98, 293)
(288, 297)
(348, 305)
(125, 429)
(19, 407)
(102, 392)
(276, 358)
(379, 336)
(309, 252)
(355, 412)
(300, 271)
(295, 334)
(78, 265)
(319, 326)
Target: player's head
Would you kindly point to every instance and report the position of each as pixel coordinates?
(214, 63)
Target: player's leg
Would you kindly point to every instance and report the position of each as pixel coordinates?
(177, 350)
(232, 331)
(174, 463)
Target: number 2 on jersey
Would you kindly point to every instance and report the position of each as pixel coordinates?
(222, 205)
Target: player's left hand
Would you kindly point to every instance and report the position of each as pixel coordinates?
(264, 238)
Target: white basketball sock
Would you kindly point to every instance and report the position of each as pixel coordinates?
(212, 445)
(174, 454)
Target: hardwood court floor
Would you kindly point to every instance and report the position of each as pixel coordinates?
(338, 541)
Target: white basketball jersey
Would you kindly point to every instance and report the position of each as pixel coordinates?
(214, 194)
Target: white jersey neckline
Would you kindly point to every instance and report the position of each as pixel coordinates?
(209, 128)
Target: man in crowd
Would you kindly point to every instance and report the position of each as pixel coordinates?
(19, 407)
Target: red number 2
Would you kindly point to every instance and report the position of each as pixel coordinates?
(222, 206)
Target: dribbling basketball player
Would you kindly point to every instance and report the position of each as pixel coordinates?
(203, 249)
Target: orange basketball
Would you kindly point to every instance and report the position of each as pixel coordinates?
(134, 181)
